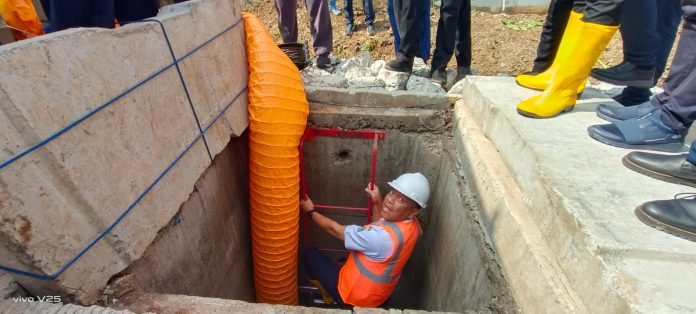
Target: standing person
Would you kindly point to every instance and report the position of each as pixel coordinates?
(320, 26)
(454, 27)
(369, 12)
(661, 123)
(66, 14)
(590, 27)
(407, 14)
(379, 251)
(648, 29)
(423, 29)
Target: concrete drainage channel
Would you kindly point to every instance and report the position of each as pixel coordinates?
(452, 269)
(205, 252)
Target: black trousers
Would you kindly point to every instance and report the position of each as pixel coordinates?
(63, 14)
(678, 101)
(453, 32)
(408, 13)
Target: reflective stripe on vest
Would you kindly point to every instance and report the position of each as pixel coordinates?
(383, 278)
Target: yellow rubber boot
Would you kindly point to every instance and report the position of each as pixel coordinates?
(324, 294)
(575, 60)
(542, 80)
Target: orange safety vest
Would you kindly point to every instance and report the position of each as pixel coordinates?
(367, 283)
(21, 17)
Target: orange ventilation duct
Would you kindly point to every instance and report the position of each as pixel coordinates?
(278, 112)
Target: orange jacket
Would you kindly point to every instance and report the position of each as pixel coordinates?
(21, 16)
(367, 283)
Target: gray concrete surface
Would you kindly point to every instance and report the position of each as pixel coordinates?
(54, 201)
(206, 249)
(170, 303)
(10, 306)
(558, 207)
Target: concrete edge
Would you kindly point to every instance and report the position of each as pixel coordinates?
(587, 269)
(529, 266)
(377, 98)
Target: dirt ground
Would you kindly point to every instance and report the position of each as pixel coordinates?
(502, 44)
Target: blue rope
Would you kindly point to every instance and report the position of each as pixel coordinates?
(112, 101)
(154, 183)
(183, 83)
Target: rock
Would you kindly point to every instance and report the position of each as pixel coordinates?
(366, 83)
(422, 72)
(376, 66)
(311, 72)
(393, 80)
(457, 88)
(419, 64)
(331, 80)
(365, 59)
(421, 84)
(349, 64)
(358, 72)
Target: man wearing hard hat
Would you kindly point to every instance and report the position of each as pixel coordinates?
(379, 251)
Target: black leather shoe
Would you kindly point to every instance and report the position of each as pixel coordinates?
(439, 76)
(402, 63)
(669, 168)
(626, 74)
(676, 217)
(462, 72)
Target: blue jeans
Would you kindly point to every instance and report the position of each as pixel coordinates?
(424, 27)
(648, 28)
(321, 268)
(367, 9)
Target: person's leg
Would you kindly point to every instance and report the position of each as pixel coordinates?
(321, 268)
(575, 59)
(638, 30)
(551, 34)
(603, 12)
(424, 30)
(408, 13)
(320, 27)
(679, 99)
(369, 11)
(81, 13)
(348, 11)
(463, 42)
(135, 10)
(393, 24)
(287, 19)
(669, 15)
(447, 28)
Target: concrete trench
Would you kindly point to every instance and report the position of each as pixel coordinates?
(208, 255)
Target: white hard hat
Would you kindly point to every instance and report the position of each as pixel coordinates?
(414, 185)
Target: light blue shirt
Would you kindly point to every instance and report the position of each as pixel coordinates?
(371, 240)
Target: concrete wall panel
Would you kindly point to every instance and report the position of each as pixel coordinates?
(57, 199)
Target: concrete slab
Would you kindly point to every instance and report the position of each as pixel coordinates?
(57, 199)
(171, 303)
(581, 200)
(32, 306)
